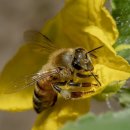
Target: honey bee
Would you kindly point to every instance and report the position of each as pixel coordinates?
(63, 64)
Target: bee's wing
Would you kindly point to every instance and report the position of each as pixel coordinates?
(40, 40)
(26, 81)
(19, 84)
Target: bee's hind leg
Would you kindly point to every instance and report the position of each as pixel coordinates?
(65, 93)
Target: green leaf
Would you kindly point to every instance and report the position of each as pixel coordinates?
(125, 54)
(124, 51)
(124, 99)
(124, 95)
(121, 13)
(108, 121)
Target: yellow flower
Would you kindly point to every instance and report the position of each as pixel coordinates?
(81, 23)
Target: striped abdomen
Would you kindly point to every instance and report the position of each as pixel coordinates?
(44, 96)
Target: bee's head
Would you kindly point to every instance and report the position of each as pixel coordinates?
(82, 60)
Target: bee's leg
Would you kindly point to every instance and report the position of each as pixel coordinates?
(75, 84)
(57, 85)
(66, 94)
(86, 84)
(80, 75)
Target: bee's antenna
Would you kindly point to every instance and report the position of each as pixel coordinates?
(95, 78)
(95, 49)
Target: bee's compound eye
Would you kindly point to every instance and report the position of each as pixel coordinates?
(66, 94)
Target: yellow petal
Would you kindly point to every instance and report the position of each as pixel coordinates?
(27, 61)
(107, 55)
(67, 29)
(16, 102)
(63, 111)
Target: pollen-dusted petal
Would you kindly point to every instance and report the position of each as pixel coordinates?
(108, 75)
(27, 61)
(58, 115)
